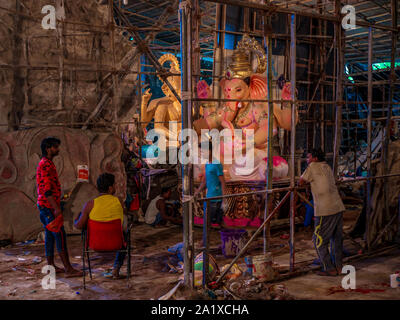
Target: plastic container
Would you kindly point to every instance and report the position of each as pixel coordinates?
(233, 240)
(263, 267)
(83, 173)
(249, 264)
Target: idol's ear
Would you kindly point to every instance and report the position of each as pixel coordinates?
(258, 87)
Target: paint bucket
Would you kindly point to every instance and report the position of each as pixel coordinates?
(232, 241)
(262, 265)
(83, 173)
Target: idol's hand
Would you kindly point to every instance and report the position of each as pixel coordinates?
(203, 90)
(146, 96)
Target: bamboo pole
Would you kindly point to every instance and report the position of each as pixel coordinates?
(206, 244)
(369, 140)
(62, 49)
(115, 84)
(185, 35)
(292, 137)
(268, 47)
(339, 89)
(385, 153)
(216, 51)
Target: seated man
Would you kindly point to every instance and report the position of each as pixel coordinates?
(106, 207)
(157, 213)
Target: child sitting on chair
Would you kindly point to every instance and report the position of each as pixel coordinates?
(106, 207)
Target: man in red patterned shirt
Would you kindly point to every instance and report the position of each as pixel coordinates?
(49, 196)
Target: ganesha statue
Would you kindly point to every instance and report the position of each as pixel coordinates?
(165, 111)
(241, 84)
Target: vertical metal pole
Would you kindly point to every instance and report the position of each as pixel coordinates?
(292, 136)
(268, 47)
(246, 20)
(216, 53)
(139, 125)
(339, 89)
(220, 52)
(206, 242)
(196, 65)
(369, 140)
(395, 8)
(115, 97)
(185, 36)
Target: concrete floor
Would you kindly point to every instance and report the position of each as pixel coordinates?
(151, 280)
(372, 281)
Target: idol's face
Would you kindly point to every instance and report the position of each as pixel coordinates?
(236, 89)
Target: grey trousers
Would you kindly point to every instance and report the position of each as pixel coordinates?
(329, 231)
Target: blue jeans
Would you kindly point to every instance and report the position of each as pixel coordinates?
(120, 257)
(216, 213)
(309, 213)
(60, 238)
(158, 220)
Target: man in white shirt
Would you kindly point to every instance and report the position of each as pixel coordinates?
(328, 208)
(157, 213)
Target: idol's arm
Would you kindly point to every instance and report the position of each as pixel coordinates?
(284, 116)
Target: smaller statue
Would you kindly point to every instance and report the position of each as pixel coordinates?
(167, 108)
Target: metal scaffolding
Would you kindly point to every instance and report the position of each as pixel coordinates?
(202, 28)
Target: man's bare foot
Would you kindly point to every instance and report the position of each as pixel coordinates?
(116, 275)
(58, 269)
(71, 273)
(330, 273)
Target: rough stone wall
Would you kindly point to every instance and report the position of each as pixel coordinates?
(33, 89)
(49, 77)
(19, 156)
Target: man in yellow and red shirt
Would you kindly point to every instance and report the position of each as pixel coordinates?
(48, 203)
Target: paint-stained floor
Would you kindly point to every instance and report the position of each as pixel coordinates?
(21, 265)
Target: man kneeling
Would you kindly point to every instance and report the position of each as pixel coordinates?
(106, 207)
(158, 213)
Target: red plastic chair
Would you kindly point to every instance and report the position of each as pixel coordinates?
(105, 237)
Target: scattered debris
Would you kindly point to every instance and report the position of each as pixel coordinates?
(235, 286)
(8, 253)
(278, 292)
(25, 242)
(36, 260)
(12, 292)
(19, 268)
(234, 273)
(170, 293)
